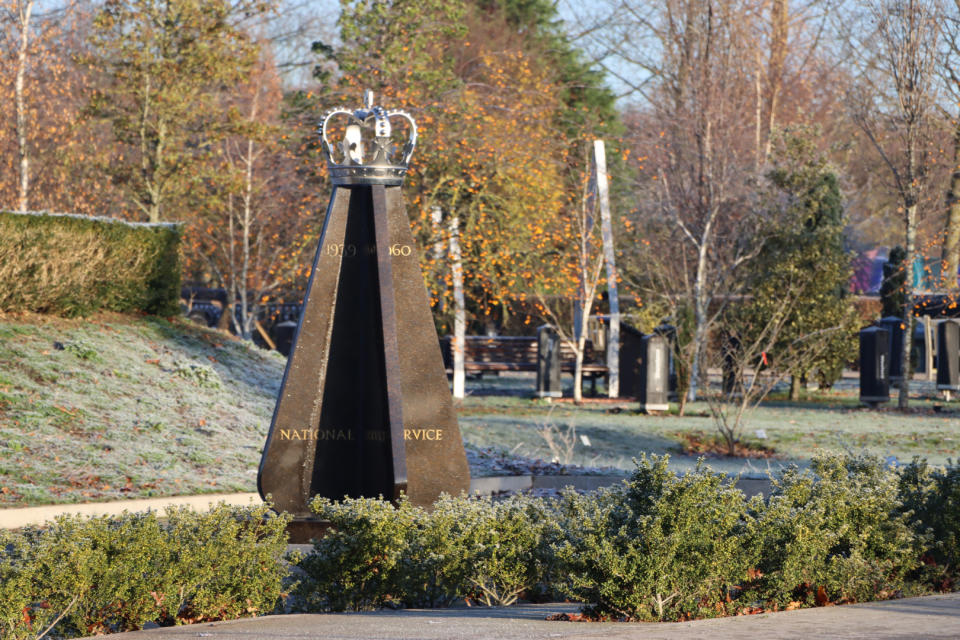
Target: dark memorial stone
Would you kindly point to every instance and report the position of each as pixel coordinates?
(895, 334)
(364, 409)
(948, 356)
(283, 333)
(731, 382)
(874, 366)
(548, 363)
(631, 357)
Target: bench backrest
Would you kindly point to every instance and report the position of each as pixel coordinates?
(513, 349)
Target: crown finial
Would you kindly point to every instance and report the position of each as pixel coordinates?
(367, 151)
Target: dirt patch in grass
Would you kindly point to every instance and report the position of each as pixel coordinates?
(713, 446)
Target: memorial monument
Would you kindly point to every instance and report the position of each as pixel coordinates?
(364, 408)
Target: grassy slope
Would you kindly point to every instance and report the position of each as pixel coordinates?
(118, 406)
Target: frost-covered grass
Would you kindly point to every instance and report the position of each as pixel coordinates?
(121, 406)
(617, 433)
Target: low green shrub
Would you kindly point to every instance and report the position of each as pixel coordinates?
(200, 374)
(75, 265)
(100, 575)
(931, 501)
(664, 547)
(81, 350)
(836, 533)
(376, 555)
(353, 566)
(660, 547)
(492, 550)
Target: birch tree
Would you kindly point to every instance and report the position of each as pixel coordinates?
(164, 64)
(260, 207)
(699, 165)
(894, 108)
(24, 11)
(949, 68)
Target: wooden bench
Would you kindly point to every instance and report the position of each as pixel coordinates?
(517, 353)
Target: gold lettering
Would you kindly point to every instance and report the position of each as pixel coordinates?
(423, 434)
(335, 434)
(341, 250)
(316, 434)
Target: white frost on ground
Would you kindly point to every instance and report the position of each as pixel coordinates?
(492, 461)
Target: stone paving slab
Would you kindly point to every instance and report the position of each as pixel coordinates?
(936, 617)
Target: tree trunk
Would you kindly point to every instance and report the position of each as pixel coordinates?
(950, 256)
(758, 153)
(459, 311)
(229, 279)
(25, 9)
(247, 315)
(903, 399)
(779, 26)
(700, 313)
(226, 317)
(794, 388)
(578, 368)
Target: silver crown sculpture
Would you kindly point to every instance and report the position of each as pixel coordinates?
(367, 151)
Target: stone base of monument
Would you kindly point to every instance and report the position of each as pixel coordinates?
(303, 530)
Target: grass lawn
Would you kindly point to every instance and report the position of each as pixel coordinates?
(124, 406)
(617, 433)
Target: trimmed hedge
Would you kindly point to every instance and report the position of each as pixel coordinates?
(100, 575)
(75, 265)
(376, 555)
(659, 547)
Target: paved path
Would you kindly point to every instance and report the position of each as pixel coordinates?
(928, 617)
(25, 516)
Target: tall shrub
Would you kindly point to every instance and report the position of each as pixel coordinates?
(75, 265)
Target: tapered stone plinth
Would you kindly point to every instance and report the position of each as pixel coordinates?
(365, 408)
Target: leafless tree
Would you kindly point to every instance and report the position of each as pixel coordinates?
(590, 262)
(949, 69)
(894, 105)
(695, 130)
(750, 371)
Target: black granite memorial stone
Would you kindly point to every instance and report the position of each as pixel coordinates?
(948, 356)
(548, 363)
(365, 408)
(874, 365)
(631, 361)
(896, 329)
